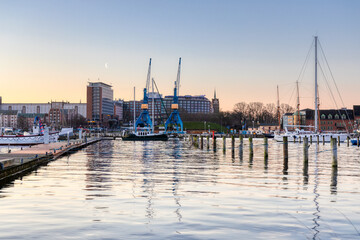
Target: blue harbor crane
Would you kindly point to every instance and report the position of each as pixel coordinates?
(174, 119)
(144, 119)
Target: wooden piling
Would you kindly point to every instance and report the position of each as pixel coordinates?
(323, 139)
(358, 141)
(334, 151)
(348, 141)
(251, 149)
(241, 145)
(317, 139)
(214, 143)
(266, 147)
(202, 142)
(207, 142)
(232, 143)
(224, 144)
(285, 148)
(310, 139)
(338, 140)
(306, 151)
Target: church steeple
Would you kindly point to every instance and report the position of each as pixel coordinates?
(215, 103)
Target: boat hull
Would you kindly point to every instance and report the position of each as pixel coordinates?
(354, 141)
(155, 137)
(26, 140)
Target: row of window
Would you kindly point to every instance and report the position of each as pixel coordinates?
(343, 116)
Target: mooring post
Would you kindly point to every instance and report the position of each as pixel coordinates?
(232, 143)
(310, 139)
(306, 151)
(214, 143)
(299, 139)
(338, 140)
(317, 139)
(241, 145)
(285, 148)
(202, 142)
(334, 151)
(251, 150)
(224, 144)
(348, 141)
(266, 154)
(358, 141)
(323, 139)
(207, 142)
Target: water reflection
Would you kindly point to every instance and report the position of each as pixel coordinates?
(148, 181)
(98, 174)
(316, 214)
(334, 175)
(176, 179)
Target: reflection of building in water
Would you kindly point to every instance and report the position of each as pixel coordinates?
(99, 165)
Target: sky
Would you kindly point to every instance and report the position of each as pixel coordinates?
(49, 50)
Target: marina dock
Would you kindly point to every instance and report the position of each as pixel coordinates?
(16, 163)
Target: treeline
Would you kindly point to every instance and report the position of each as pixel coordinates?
(243, 115)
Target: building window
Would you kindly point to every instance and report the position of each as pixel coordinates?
(330, 116)
(323, 116)
(336, 116)
(343, 116)
(23, 109)
(38, 109)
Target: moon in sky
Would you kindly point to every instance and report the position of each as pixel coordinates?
(106, 65)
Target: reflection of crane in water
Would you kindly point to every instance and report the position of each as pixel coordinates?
(148, 182)
(316, 214)
(175, 185)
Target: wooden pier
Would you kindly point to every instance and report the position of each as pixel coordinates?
(16, 163)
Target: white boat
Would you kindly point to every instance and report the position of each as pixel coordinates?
(36, 137)
(300, 133)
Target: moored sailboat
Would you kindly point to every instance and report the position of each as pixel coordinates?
(316, 135)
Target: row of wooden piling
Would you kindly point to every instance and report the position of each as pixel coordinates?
(334, 143)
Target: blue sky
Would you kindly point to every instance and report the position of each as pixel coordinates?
(241, 48)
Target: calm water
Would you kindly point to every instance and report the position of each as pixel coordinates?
(169, 190)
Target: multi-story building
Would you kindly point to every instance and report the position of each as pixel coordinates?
(190, 104)
(356, 116)
(162, 106)
(119, 109)
(288, 120)
(331, 119)
(9, 118)
(215, 105)
(100, 104)
(42, 108)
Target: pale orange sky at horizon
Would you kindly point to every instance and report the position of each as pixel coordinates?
(243, 50)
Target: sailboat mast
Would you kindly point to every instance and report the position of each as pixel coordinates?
(298, 102)
(278, 107)
(134, 111)
(316, 90)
